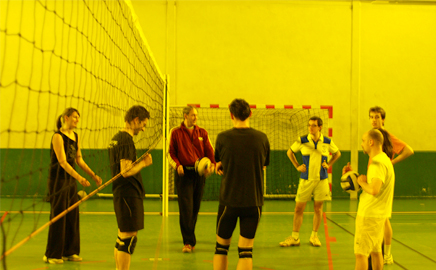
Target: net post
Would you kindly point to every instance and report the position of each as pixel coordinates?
(165, 165)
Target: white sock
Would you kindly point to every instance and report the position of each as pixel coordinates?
(387, 250)
(296, 235)
(314, 234)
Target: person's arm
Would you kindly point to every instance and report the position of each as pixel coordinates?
(172, 154)
(219, 168)
(407, 152)
(332, 161)
(291, 156)
(402, 149)
(209, 153)
(82, 164)
(373, 188)
(125, 164)
(58, 147)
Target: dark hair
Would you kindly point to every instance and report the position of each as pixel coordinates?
(136, 111)
(187, 110)
(317, 119)
(240, 109)
(387, 143)
(379, 110)
(68, 112)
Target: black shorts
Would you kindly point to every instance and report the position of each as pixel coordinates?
(130, 213)
(249, 218)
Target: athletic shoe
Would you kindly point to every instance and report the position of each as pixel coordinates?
(72, 258)
(388, 259)
(290, 241)
(52, 260)
(187, 249)
(314, 241)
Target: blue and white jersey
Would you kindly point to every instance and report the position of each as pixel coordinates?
(314, 154)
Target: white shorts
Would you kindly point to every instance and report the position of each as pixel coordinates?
(319, 188)
(369, 235)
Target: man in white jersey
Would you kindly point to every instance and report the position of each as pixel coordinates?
(375, 202)
(315, 149)
(401, 151)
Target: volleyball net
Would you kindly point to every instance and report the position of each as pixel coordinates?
(89, 55)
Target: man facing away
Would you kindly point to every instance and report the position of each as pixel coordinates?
(241, 154)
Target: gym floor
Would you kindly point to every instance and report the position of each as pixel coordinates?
(160, 244)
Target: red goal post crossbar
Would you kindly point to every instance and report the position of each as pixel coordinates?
(254, 106)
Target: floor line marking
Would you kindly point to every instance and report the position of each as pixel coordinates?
(396, 263)
(159, 243)
(214, 213)
(328, 239)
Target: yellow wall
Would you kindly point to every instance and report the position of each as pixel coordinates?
(399, 69)
(349, 54)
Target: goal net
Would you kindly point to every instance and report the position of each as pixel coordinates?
(282, 126)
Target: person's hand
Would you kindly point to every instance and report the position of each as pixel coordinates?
(97, 179)
(180, 170)
(210, 170)
(147, 160)
(325, 165)
(301, 168)
(346, 168)
(362, 179)
(83, 181)
(219, 168)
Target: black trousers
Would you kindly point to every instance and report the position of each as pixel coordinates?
(64, 234)
(190, 188)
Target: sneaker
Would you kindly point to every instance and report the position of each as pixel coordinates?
(388, 259)
(314, 241)
(290, 241)
(187, 249)
(52, 260)
(72, 258)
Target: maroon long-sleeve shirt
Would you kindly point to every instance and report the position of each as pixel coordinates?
(185, 148)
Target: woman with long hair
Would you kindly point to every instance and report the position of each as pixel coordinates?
(64, 235)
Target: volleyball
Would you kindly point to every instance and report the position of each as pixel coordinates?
(349, 182)
(82, 194)
(202, 165)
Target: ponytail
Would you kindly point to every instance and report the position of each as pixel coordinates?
(59, 122)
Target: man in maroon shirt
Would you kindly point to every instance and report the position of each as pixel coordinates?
(189, 143)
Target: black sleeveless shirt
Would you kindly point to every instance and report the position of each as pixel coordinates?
(70, 148)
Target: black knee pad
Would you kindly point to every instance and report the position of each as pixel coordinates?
(221, 249)
(245, 252)
(127, 244)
